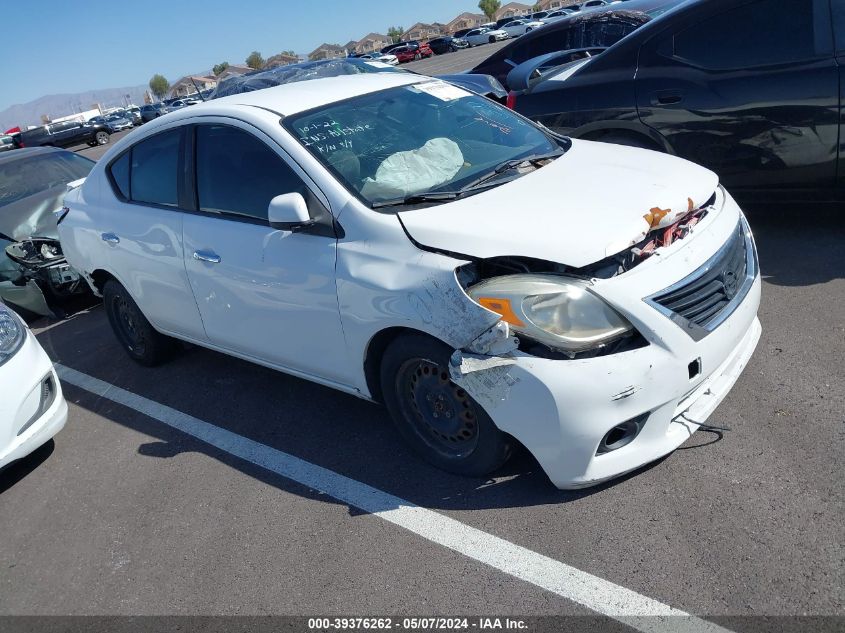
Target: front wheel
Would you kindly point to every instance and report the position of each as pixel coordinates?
(492, 40)
(138, 338)
(417, 57)
(438, 418)
(102, 137)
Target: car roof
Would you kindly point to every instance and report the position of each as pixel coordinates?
(292, 98)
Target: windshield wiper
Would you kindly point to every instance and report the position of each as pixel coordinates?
(509, 165)
(416, 198)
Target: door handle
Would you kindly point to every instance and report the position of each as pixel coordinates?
(667, 97)
(110, 238)
(207, 256)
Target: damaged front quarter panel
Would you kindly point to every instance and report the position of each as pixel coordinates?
(34, 275)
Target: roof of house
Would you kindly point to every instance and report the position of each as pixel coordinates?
(514, 6)
(281, 59)
(373, 37)
(327, 47)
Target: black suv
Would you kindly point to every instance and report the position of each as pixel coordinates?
(66, 134)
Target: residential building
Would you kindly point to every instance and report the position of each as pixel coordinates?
(191, 85)
(327, 51)
(552, 5)
(465, 21)
(371, 43)
(513, 9)
(423, 31)
(282, 59)
(233, 70)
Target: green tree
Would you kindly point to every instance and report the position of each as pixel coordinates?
(536, 7)
(159, 86)
(255, 60)
(291, 53)
(489, 8)
(395, 33)
(219, 68)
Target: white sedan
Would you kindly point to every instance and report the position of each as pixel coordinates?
(32, 407)
(483, 35)
(405, 241)
(521, 27)
(384, 58)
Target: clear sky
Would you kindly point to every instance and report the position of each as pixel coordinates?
(52, 46)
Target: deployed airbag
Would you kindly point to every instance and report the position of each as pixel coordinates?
(414, 171)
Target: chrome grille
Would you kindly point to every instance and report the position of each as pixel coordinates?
(701, 301)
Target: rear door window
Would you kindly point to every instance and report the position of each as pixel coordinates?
(765, 32)
(155, 169)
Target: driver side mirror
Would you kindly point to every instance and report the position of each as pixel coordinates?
(289, 212)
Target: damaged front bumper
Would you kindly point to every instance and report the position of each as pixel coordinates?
(565, 410)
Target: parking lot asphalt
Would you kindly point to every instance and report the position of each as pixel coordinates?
(125, 514)
(456, 62)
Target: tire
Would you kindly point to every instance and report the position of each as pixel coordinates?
(92, 143)
(417, 57)
(492, 40)
(102, 137)
(136, 336)
(438, 419)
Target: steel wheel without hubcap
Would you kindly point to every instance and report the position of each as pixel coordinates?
(126, 322)
(442, 414)
(102, 138)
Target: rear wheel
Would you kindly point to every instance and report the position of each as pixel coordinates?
(438, 418)
(138, 338)
(492, 40)
(101, 137)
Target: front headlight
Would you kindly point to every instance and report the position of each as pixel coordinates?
(12, 334)
(560, 312)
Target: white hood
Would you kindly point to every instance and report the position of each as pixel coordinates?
(594, 201)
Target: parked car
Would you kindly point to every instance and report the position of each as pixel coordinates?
(502, 21)
(521, 27)
(152, 111)
(379, 57)
(7, 142)
(412, 52)
(389, 48)
(538, 15)
(446, 44)
(460, 33)
(761, 109)
(483, 280)
(483, 35)
(118, 122)
(134, 114)
(34, 276)
(176, 104)
(66, 134)
(32, 406)
(599, 28)
(559, 13)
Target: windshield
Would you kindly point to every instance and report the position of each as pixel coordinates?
(424, 137)
(23, 178)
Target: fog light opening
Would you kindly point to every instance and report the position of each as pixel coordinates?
(621, 435)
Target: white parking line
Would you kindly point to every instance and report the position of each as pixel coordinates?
(602, 596)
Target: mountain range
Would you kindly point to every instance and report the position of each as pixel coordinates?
(55, 106)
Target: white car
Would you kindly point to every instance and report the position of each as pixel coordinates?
(521, 27)
(32, 407)
(384, 58)
(483, 35)
(403, 240)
